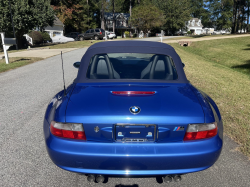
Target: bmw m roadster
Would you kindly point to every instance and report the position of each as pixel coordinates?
(132, 112)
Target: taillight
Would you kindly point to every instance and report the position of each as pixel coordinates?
(133, 92)
(100, 32)
(201, 131)
(68, 130)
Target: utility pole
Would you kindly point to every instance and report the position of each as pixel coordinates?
(13, 24)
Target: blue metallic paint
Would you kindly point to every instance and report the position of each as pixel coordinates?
(100, 154)
(133, 158)
(175, 103)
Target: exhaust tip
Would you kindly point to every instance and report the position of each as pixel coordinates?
(167, 179)
(91, 178)
(177, 178)
(100, 178)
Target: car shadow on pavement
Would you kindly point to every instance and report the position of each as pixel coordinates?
(121, 185)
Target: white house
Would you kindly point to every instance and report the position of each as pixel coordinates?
(56, 30)
(195, 26)
(121, 22)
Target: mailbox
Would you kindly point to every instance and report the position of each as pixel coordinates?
(10, 41)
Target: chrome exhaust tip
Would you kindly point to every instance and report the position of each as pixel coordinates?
(167, 179)
(91, 178)
(100, 178)
(177, 178)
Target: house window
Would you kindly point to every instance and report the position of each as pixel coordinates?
(57, 34)
(193, 23)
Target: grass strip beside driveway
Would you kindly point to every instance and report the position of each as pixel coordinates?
(232, 52)
(230, 90)
(16, 62)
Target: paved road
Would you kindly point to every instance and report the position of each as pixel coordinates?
(41, 53)
(24, 95)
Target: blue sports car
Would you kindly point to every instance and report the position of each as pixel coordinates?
(132, 112)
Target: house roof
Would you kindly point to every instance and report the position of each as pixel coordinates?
(109, 15)
(58, 22)
(196, 20)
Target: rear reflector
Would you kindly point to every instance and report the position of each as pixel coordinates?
(201, 131)
(133, 92)
(68, 130)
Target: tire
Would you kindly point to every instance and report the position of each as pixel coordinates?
(107, 37)
(81, 38)
(96, 37)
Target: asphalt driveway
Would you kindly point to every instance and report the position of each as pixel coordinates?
(24, 95)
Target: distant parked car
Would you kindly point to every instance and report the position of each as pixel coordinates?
(182, 33)
(73, 35)
(92, 34)
(216, 32)
(61, 39)
(111, 35)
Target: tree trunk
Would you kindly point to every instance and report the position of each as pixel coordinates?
(243, 14)
(88, 12)
(234, 16)
(19, 38)
(102, 17)
(248, 3)
(113, 15)
(130, 9)
(238, 17)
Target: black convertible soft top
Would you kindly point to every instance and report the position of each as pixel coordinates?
(130, 47)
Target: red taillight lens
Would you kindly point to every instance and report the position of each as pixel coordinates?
(100, 32)
(133, 92)
(68, 130)
(201, 131)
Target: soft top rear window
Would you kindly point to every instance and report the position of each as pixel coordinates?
(131, 66)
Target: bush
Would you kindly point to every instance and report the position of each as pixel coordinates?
(126, 34)
(46, 37)
(36, 37)
(188, 32)
(134, 35)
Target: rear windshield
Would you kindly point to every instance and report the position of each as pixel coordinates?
(131, 66)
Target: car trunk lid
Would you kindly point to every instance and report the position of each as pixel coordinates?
(168, 111)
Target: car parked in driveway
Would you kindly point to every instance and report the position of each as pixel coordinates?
(95, 34)
(132, 112)
(111, 35)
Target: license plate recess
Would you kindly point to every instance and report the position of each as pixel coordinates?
(134, 132)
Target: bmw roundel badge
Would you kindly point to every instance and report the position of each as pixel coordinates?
(135, 109)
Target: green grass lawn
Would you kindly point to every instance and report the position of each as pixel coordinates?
(211, 67)
(197, 36)
(16, 62)
(233, 53)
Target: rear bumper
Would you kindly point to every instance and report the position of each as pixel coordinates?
(132, 158)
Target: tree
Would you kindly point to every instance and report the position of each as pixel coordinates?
(177, 12)
(79, 15)
(147, 16)
(26, 16)
(222, 13)
(248, 6)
